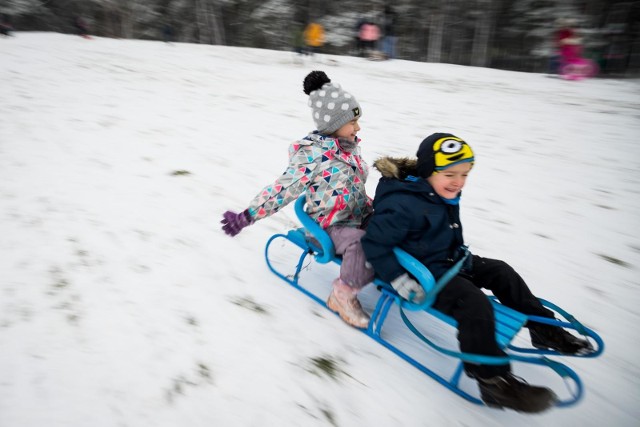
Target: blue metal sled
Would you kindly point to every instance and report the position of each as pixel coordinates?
(312, 240)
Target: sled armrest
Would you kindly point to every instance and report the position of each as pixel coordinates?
(327, 251)
(420, 272)
(431, 286)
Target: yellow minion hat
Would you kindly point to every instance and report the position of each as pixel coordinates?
(440, 151)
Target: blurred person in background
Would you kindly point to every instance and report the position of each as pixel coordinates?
(369, 36)
(82, 28)
(567, 42)
(5, 26)
(390, 39)
(167, 33)
(297, 41)
(359, 43)
(572, 65)
(314, 37)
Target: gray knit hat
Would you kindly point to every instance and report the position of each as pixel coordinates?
(331, 106)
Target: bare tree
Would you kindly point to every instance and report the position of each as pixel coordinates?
(484, 24)
(514, 34)
(436, 32)
(216, 19)
(209, 22)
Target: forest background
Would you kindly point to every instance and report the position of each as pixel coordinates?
(506, 34)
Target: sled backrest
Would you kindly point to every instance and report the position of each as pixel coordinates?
(326, 252)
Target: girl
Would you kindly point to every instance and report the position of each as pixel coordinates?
(327, 166)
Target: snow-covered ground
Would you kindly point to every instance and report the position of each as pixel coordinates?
(122, 303)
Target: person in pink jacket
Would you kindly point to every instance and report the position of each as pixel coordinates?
(369, 35)
(326, 166)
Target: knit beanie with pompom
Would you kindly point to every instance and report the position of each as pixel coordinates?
(331, 106)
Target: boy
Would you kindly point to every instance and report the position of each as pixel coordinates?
(416, 207)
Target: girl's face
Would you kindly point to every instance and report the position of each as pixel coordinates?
(449, 182)
(348, 131)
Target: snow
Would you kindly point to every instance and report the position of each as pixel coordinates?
(122, 303)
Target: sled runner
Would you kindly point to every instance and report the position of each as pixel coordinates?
(315, 245)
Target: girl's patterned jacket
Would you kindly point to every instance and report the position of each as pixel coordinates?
(333, 178)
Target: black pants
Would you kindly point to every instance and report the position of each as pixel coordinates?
(463, 299)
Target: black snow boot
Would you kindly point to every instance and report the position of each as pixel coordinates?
(555, 338)
(509, 391)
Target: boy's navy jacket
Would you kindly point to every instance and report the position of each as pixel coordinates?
(409, 214)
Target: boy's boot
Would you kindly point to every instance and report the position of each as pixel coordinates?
(555, 338)
(509, 391)
(343, 301)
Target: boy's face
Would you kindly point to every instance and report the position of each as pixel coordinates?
(449, 182)
(348, 131)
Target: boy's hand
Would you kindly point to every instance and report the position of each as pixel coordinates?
(408, 288)
(233, 222)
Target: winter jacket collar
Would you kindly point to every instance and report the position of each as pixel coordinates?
(332, 148)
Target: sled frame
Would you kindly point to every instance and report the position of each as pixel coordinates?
(315, 242)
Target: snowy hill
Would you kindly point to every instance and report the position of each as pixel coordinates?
(122, 303)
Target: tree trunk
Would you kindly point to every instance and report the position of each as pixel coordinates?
(482, 34)
(217, 23)
(436, 35)
(128, 17)
(200, 25)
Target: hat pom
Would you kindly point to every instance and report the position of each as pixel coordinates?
(314, 81)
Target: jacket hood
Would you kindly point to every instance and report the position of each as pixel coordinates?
(397, 167)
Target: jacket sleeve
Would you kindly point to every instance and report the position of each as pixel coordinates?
(388, 227)
(292, 183)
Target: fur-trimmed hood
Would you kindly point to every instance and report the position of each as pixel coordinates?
(397, 167)
(400, 174)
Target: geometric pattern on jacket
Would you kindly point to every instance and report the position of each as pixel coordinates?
(334, 181)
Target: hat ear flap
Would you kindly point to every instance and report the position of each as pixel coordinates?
(425, 165)
(426, 160)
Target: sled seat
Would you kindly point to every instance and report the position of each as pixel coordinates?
(313, 239)
(508, 321)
